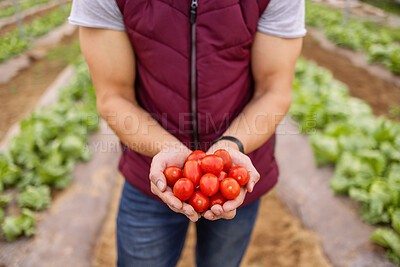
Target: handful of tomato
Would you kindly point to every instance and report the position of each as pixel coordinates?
(206, 180)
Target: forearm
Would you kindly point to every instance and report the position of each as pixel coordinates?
(111, 62)
(135, 127)
(258, 121)
(273, 62)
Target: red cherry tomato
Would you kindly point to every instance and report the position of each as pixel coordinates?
(172, 174)
(217, 199)
(222, 175)
(199, 202)
(196, 155)
(226, 157)
(183, 189)
(209, 184)
(240, 174)
(212, 164)
(230, 188)
(192, 171)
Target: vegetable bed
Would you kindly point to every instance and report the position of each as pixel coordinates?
(365, 149)
(45, 152)
(12, 44)
(10, 11)
(67, 230)
(379, 43)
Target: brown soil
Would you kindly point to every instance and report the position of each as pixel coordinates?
(381, 95)
(105, 254)
(279, 239)
(27, 19)
(19, 96)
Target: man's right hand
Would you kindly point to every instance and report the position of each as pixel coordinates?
(170, 156)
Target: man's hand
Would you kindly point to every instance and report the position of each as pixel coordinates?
(228, 210)
(170, 156)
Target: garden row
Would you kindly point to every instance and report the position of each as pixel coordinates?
(9, 11)
(44, 153)
(379, 43)
(365, 149)
(12, 44)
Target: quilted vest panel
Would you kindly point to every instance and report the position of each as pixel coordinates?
(160, 33)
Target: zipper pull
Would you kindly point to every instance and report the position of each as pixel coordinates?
(193, 11)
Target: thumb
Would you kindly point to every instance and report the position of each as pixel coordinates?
(157, 176)
(159, 180)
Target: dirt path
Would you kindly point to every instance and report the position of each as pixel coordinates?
(278, 240)
(380, 94)
(19, 96)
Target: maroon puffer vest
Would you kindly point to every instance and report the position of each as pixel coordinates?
(160, 32)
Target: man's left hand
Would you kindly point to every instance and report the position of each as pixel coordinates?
(228, 210)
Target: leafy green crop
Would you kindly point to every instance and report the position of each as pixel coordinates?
(365, 149)
(389, 239)
(12, 44)
(378, 42)
(45, 151)
(36, 198)
(14, 226)
(5, 199)
(391, 6)
(10, 11)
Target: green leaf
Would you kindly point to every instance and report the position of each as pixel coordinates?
(340, 184)
(325, 149)
(72, 145)
(355, 142)
(375, 159)
(351, 165)
(359, 195)
(36, 198)
(15, 226)
(380, 191)
(28, 178)
(54, 168)
(396, 220)
(390, 151)
(27, 222)
(394, 174)
(388, 239)
(9, 172)
(5, 199)
(393, 257)
(63, 182)
(11, 228)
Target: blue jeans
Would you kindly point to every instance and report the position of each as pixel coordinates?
(149, 234)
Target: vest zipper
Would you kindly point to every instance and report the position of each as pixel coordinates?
(193, 77)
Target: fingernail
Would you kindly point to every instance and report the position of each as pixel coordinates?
(218, 212)
(251, 186)
(160, 185)
(189, 212)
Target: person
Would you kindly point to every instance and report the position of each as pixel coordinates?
(175, 76)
